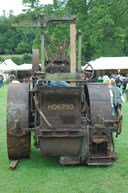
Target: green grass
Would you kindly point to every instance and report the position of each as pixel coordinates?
(45, 175)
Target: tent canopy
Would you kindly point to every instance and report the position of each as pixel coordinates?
(109, 63)
(8, 65)
(103, 63)
(25, 67)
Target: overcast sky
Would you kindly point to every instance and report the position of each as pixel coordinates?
(16, 5)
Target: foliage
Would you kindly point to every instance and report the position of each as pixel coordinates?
(107, 32)
(14, 40)
(103, 24)
(31, 3)
(22, 47)
(27, 58)
(24, 59)
(18, 59)
(45, 175)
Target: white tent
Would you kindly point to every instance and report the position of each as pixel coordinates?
(25, 67)
(110, 63)
(8, 65)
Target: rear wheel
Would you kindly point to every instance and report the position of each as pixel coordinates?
(18, 141)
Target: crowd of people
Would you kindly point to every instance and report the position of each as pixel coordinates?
(117, 86)
(11, 78)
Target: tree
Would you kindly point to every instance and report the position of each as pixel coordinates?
(103, 24)
(14, 40)
(106, 26)
(31, 3)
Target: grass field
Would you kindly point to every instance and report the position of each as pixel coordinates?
(46, 175)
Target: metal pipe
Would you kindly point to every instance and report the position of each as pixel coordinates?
(42, 49)
(79, 49)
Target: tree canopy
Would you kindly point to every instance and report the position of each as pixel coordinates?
(103, 24)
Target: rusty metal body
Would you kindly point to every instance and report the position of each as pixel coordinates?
(74, 134)
(17, 119)
(74, 123)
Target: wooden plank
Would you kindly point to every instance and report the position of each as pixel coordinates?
(14, 164)
(73, 49)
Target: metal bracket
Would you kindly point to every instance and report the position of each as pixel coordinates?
(16, 130)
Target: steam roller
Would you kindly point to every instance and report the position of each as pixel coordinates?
(71, 117)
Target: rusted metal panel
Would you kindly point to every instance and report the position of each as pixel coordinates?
(100, 161)
(100, 103)
(100, 107)
(85, 146)
(60, 146)
(61, 106)
(102, 125)
(61, 133)
(17, 109)
(98, 91)
(17, 104)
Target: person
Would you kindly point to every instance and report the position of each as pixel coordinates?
(118, 81)
(108, 82)
(12, 77)
(127, 88)
(117, 95)
(105, 77)
(100, 79)
(112, 75)
(14, 80)
(1, 80)
(124, 87)
(124, 83)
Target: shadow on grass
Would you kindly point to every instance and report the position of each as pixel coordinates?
(38, 161)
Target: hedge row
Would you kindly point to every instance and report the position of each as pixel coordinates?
(18, 59)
